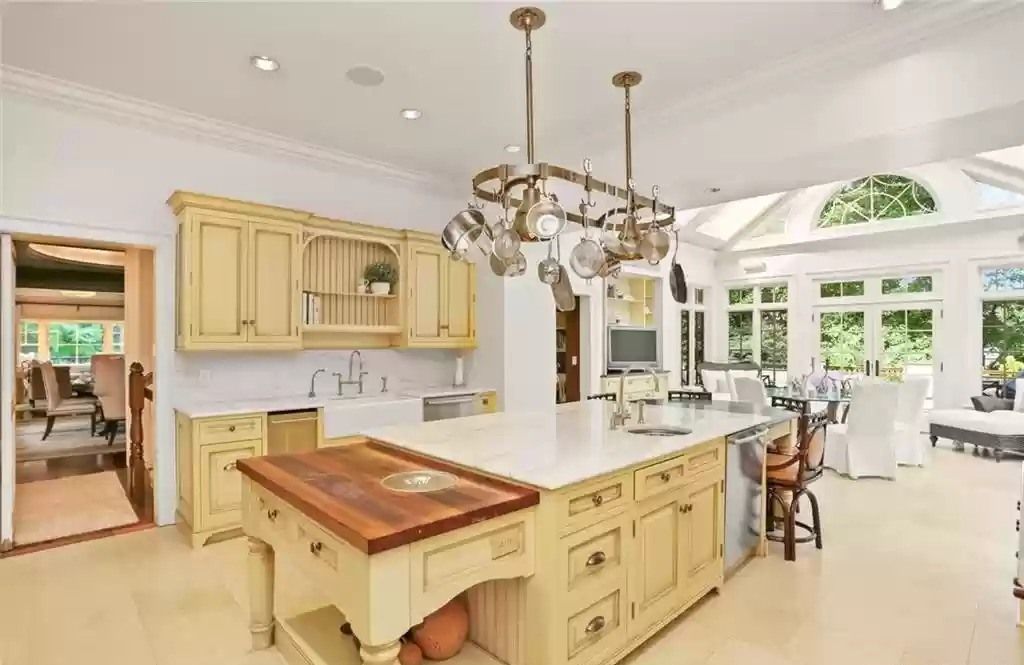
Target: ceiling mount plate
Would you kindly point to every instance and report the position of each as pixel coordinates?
(626, 79)
(527, 18)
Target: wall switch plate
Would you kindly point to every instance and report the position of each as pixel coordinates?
(205, 377)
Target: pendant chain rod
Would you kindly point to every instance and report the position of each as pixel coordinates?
(629, 140)
(529, 94)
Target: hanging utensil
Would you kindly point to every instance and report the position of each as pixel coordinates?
(676, 278)
(547, 269)
(465, 230)
(546, 218)
(517, 266)
(565, 301)
(587, 257)
(506, 241)
(654, 244)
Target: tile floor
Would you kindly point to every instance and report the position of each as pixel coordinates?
(914, 572)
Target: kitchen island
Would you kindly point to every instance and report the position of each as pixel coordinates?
(587, 542)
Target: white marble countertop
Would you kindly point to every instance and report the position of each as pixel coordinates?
(563, 446)
(230, 407)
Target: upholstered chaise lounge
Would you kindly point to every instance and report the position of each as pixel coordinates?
(993, 426)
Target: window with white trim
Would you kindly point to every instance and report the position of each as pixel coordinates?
(692, 336)
(874, 198)
(758, 318)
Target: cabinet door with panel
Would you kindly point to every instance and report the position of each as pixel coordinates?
(703, 506)
(657, 575)
(220, 492)
(426, 273)
(460, 301)
(217, 279)
(273, 273)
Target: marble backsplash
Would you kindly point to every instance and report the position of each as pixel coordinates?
(245, 375)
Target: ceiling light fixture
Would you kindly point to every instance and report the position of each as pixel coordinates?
(366, 76)
(100, 257)
(633, 227)
(412, 114)
(511, 147)
(889, 5)
(264, 63)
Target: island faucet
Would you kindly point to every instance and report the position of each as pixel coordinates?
(312, 383)
(350, 381)
(621, 414)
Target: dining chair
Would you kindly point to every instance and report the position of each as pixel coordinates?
(865, 445)
(108, 373)
(912, 447)
(789, 476)
(56, 406)
(750, 390)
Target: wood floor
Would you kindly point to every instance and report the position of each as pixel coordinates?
(914, 572)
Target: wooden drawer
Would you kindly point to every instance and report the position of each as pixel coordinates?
(271, 514)
(597, 629)
(232, 428)
(446, 565)
(661, 477)
(595, 501)
(705, 458)
(596, 555)
(220, 490)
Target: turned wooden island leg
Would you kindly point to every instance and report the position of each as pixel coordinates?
(261, 593)
(386, 654)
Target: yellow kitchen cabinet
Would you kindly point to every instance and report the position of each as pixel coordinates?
(209, 484)
(703, 533)
(440, 296)
(658, 572)
(238, 275)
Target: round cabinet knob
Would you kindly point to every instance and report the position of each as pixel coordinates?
(665, 476)
(272, 515)
(596, 625)
(598, 499)
(314, 548)
(231, 428)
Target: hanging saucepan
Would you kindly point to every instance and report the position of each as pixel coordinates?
(548, 269)
(676, 278)
(546, 218)
(587, 257)
(506, 241)
(654, 244)
(464, 230)
(565, 301)
(514, 267)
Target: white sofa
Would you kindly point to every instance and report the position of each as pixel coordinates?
(992, 425)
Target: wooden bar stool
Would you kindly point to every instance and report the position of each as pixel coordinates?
(790, 473)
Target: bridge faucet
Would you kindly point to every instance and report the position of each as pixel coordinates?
(350, 381)
(621, 414)
(312, 383)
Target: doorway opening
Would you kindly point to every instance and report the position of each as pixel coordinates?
(82, 319)
(568, 354)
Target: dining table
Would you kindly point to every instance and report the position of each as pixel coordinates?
(833, 398)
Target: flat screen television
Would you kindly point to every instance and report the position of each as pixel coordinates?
(632, 346)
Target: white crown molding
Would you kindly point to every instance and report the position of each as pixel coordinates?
(123, 108)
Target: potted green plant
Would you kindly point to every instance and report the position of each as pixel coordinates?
(381, 276)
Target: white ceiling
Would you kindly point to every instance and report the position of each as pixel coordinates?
(705, 67)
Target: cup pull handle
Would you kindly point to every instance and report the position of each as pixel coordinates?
(231, 466)
(596, 625)
(596, 559)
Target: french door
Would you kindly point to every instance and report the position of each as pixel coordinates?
(891, 340)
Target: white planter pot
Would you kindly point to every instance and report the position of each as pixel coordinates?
(380, 288)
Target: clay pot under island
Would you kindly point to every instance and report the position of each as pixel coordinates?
(442, 633)
(411, 654)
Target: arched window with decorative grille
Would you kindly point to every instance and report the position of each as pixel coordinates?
(876, 197)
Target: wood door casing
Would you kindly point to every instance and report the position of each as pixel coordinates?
(218, 279)
(657, 569)
(425, 292)
(273, 268)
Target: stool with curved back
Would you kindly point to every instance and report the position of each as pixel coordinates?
(790, 473)
(605, 396)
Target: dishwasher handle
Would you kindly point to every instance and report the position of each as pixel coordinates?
(457, 399)
(753, 437)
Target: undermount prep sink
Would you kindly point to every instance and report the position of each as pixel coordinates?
(423, 480)
(659, 430)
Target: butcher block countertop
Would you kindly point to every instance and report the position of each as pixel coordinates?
(340, 488)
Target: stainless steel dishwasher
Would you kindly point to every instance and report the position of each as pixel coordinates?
(452, 406)
(744, 495)
(291, 431)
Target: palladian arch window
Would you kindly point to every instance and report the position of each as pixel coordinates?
(876, 197)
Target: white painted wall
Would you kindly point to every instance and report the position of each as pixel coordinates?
(72, 173)
(955, 252)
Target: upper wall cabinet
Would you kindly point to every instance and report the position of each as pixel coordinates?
(440, 296)
(258, 277)
(238, 276)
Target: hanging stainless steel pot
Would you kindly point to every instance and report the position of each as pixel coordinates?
(464, 231)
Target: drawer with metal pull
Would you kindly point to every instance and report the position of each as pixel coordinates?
(596, 555)
(597, 629)
(595, 501)
(230, 428)
(661, 477)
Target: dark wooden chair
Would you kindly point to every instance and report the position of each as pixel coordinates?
(688, 396)
(790, 474)
(605, 396)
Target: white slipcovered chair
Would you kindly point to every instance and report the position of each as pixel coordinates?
(109, 376)
(911, 447)
(750, 390)
(866, 444)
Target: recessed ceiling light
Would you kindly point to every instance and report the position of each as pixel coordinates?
(264, 63)
(512, 147)
(888, 5)
(365, 76)
(411, 114)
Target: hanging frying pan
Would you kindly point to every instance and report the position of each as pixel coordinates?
(677, 279)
